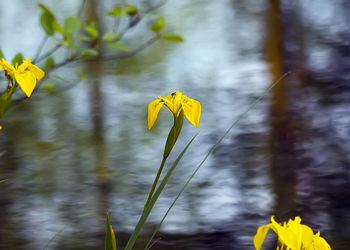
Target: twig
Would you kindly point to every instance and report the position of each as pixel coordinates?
(40, 48)
(49, 53)
(127, 54)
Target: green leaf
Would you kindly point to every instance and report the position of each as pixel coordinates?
(46, 19)
(83, 74)
(110, 241)
(18, 59)
(130, 9)
(1, 54)
(58, 28)
(159, 25)
(86, 38)
(49, 87)
(110, 37)
(172, 38)
(5, 99)
(49, 63)
(118, 46)
(71, 24)
(68, 41)
(117, 10)
(87, 52)
(92, 30)
(45, 8)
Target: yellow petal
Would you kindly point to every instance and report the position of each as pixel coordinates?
(26, 81)
(39, 73)
(260, 236)
(8, 67)
(291, 237)
(192, 110)
(320, 243)
(153, 111)
(24, 65)
(307, 235)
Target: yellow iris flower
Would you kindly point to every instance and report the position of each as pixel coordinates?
(291, 235)
(25, 74)
(177, 103)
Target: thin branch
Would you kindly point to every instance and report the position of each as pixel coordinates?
(40, 48)
(49, 53)
(127, 54)
(107, 58)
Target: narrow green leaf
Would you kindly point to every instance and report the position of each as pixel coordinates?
(58, 28)
(5, 99)
(18, 59)
(49, 63)
(88, 52)
(110, 241)
(148, 209)
(71, 24)
(110, 37)
(117, 10)
(130, 9)
(172, 38)
(1, 54)
(118, 46)
(159, 25)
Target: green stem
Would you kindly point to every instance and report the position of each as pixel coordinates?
(147, 211)
(155, 182)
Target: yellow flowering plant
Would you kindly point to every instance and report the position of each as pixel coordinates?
(291, 235)
(179, 105)
(26, 74)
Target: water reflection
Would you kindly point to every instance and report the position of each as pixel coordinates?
(71, 156)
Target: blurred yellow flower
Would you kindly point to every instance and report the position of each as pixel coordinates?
(25, 74)
(291, 235)
(178, 104)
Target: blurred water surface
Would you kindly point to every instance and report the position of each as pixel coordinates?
(70, 156)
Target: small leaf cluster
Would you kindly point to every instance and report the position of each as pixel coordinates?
(159, 25)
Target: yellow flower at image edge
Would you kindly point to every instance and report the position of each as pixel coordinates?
(25, 74)
(178, 104)
(293, 235)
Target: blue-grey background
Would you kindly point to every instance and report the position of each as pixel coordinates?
(69, 156)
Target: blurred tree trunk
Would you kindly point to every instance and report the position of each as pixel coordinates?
(283, 162)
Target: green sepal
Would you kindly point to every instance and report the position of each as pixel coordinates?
(173, 134)
(1, 54)
(5, 99)
(17, 59)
